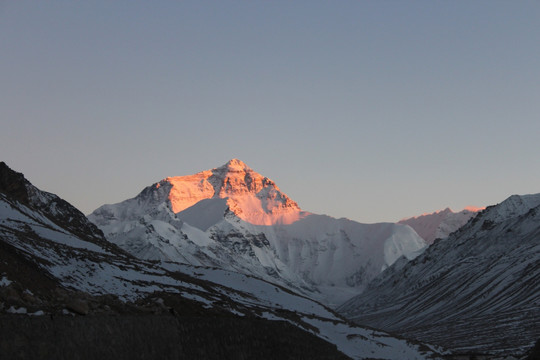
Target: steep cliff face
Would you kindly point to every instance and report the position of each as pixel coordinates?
(236, 219)
(477, 289)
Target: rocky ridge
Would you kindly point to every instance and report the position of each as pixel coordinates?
(477, 289)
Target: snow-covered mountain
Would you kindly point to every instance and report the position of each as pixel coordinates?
(440, 224)
(478, 289)
(236, 219)
(55, 262)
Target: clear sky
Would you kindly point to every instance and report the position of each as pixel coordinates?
(370, 110)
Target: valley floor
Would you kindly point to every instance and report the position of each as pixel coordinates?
(149, 336)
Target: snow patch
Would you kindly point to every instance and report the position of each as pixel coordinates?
(14, 310)
(5, 281)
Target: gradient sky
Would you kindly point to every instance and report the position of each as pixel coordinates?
(370, 110)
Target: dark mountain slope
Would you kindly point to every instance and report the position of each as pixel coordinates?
(477, 290)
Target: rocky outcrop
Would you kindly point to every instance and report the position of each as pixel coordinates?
(15, 187)
(13, 183)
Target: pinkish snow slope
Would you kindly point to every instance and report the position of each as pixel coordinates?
(440, 224)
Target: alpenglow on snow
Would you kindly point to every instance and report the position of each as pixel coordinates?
(233, 218)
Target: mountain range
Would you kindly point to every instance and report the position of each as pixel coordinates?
(64, 288)
(476, 289)
(233, 218)
(223, 264)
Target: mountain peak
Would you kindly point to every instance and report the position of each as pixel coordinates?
(13, 183)
(441, 223)
(235, 164)
(250, 195)
(474, 208)
(233, 168)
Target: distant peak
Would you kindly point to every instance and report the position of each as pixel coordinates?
(236, 164)
(233, 166)
(474, 208)
(438, 212)
(444, 212)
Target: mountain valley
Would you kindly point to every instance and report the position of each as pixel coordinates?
(223, 264)
(64, 288)
(477, 289)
